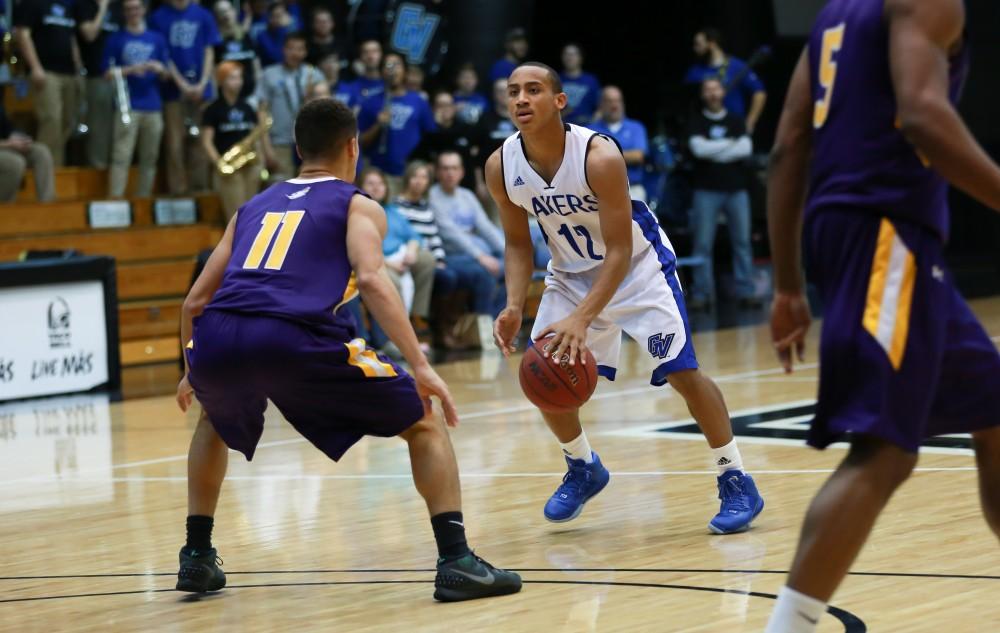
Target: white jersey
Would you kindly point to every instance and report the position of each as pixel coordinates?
(566, 208)
(648, 304)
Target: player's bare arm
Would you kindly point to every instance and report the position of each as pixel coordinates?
(366, 228)
(518, 255)
(786, 193)
(198, 297)
(606, 174)
(922, 35)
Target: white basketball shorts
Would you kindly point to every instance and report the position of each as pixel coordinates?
(648, 306)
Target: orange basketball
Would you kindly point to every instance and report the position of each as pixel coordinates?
(557, 388)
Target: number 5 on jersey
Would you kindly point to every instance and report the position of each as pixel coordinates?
(833, 39)
(289, 223)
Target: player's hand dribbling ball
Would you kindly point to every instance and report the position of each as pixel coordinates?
(557, 387)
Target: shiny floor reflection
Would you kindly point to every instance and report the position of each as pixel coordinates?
(92, 501)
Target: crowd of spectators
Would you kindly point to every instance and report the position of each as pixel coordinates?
(197, 80)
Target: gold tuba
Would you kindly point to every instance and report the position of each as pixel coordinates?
(243, 152)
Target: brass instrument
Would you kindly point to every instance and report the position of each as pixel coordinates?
(243, 152)
(122, 96)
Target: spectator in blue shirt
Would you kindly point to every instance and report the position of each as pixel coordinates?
(516, 51)
(254, 21)
(471, 104)
(745, 94)
(141, 58)
(629, 133)
(393, 122)
(582, 89)
(271, 41)
(191, 36)
(369, 69)
(343, 91)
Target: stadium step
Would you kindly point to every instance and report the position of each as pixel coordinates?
(70, 216)
(149, 319)
(81, 182)
(157, 279)
(125, 245)
(150, 350)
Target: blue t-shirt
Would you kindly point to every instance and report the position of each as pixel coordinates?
(367, 88)
(631, 135)
(188, 33)
(399, 231)
(582, 95)
(411, 119)
(257, 26)
(346, 92)
(270, 44)
(737, 96)
(501, 69)
(471, 107)
(128, 49)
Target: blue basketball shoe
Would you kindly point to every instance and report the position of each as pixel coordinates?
(581, 482)
(741, 503)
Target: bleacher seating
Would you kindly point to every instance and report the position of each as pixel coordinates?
(154, 263)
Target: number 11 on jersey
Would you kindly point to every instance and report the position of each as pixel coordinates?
(289, 223)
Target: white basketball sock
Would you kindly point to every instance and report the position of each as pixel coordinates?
(795, 613)
(727, 457)
(578, 448)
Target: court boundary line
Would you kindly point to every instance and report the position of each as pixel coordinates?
(624, 570)
(850, 622)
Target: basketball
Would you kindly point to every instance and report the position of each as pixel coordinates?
(557, 388)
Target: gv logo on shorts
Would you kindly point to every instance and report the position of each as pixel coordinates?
(659, 345)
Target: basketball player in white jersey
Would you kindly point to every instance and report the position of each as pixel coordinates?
(612, 270)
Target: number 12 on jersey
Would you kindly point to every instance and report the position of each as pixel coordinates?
(289, 223)
(585, 234)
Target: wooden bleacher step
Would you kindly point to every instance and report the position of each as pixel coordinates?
(125, 245)
(150, 350)
(149, 319)
(147, 280)
(45, 218)
(74, 183)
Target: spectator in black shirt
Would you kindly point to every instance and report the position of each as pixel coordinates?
(236, 45)
(226, 122)
(46, 37)
(719, 142)
(101, 18)
(452, 135)
(323, 41)
(17, 153)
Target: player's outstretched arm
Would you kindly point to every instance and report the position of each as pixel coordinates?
(607, 177)
(922, 34)
(198, 297)
(786, 193)
(366, 227)
(519, 257)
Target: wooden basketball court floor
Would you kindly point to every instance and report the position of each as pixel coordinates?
(92, 506)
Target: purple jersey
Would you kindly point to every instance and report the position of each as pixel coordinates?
(289, 257)
(862, 161)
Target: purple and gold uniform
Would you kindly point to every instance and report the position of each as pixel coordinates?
(902, 355)
(274, 329)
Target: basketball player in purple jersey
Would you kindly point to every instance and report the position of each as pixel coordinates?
(870, 112)
(264, 321)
